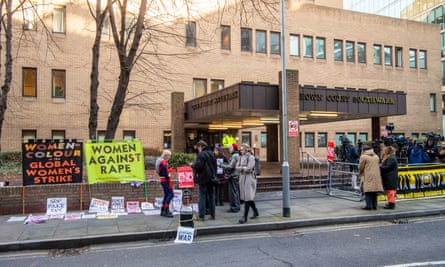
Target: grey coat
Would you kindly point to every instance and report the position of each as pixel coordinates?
(247, 179)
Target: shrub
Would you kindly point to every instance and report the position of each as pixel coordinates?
(11, 162)
(181, 159)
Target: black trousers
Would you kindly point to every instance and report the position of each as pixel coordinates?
(233, 188)
(371, 200)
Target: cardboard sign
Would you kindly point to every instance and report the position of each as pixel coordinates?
(185, 235)
(114, 162)
(117, 204)
(133, 207)
(98, 205)
(185, 177)
(52, 163)
(56, 206)
(176, 201)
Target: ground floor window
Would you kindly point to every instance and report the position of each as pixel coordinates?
(246, 138)
(58, 134)
(129, 135)
(309, 139)
(167, 139)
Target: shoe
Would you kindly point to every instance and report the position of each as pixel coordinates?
(242, 220)
(167, 213)
(390, 206)
(212, 218)
(254, 217)
(366, 208)
(200, 219)
(233, 211)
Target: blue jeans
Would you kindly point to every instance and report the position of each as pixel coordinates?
(204, 190)
(168, 194)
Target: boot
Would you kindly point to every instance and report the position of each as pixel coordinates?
(246, 212)
(165, 212)
(162, 211)
(255, 210)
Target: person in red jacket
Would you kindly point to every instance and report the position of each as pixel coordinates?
(166, 182)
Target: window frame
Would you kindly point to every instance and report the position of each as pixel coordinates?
(322, 139)
(306, 49)
(195, 80)
(433, 102)
(294, 45)
(225, 37)
(308, 137)
(398, 57)
(190, 34)
(422, 60)
(167, 139)
(53, 83)
(361, 52)
(275, 41)
(340, 53)
(320, 48)
(261, 41)
(388, 59)
(215, 85)
(59, 11)
(246, 41)
(413, 58)
(24, 70)
(350, 51)
(377, 54)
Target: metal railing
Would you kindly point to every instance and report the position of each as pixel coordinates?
(343, 180)
(311, 167)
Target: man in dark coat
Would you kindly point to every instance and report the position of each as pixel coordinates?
(390, 175)
(204, 169)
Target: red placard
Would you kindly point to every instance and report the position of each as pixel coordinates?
(185, 177)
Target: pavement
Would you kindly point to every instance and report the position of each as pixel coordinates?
(308, 208)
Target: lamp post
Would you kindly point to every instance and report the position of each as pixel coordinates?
(285, 166)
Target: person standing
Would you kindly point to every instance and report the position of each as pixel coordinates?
(166, 182)
(222, 182)
(390, 176)
(369, 171)
(204, 169)
(247, 182)
(232, 176)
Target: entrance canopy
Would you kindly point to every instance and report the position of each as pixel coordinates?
(247, 105)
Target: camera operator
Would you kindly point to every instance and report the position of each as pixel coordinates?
(431, 149)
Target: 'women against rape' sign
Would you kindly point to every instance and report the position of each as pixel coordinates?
(52, 162)
(114, 162)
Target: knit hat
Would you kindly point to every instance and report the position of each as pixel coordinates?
(218, 147)
(235, 147)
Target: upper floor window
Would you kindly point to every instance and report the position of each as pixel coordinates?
(225, 37)
(199, 87)
(308, 46)
(432, 102)
(29, 15)
(398, 56)
(246, 39)
(422, 59)
(350, 51)
(377, 54)
(338, 50)
(387, 50)
(29, 82)
(28, 135)
(190, 34)
(260, 39)
(413, 58)
(57, 134)
(59, 19)
(294, 45)
(361, 52)
(167, 139)
(216, 85)
(58, 83)
(275, 44)
(320, 48)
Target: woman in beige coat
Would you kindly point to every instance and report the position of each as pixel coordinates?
(369, 171)
(247, 181)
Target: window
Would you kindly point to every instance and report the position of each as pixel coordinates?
(101, 135)
(246, 138)
(216, 85)
(128, 135)
(29, 76)
(263, 139)
(308, 46)
(294, 45)
(387, 50)
(246, 39)
(398, 56)
(320, 48)
(322, 139)
(361, 52)
(422, 59)
(432, 102)
(260, 39)
(350, 51)
(190, 34)
(59, 19)
(58, 84)
(351, 137)
(377, 54)
(167, 139)
(363, 137)
(29, 16)
(275, 44)
(57, 134)
(28, 135)
(413, 58)
(338, 50)
(415, 136)
(199, 87)
(309, 139)
(338, 139)
(225, 37)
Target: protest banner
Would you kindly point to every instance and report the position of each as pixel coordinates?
(114, 162)
(52, 162)
(185, 177)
